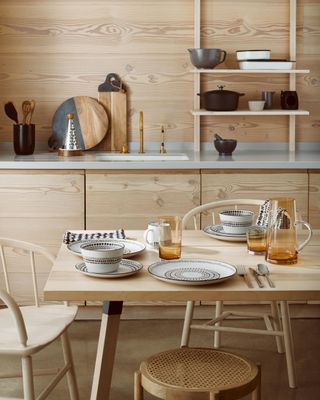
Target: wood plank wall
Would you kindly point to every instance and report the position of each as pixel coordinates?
(51, 50)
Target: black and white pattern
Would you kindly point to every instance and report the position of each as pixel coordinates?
(70, 237)
(191, 274)
(263, 216)
(126, 268)
(192, 271)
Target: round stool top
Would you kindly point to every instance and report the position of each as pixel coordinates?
(194, 368)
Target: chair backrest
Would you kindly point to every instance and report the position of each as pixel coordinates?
(214, 205)
(32, 250)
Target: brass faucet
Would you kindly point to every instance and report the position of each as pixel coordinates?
(162, 148)
(141, 150)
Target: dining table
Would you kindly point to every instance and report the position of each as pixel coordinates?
(296, 282)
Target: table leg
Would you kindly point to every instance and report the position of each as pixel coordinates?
(107, 343)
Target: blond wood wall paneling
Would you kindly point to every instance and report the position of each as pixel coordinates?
(256, 185)
(38, 207)
(129, 201)
(53, 50)
(314, 199)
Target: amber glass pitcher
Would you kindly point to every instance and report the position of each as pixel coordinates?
(282, 245)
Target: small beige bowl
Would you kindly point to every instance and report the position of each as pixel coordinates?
(256, 105)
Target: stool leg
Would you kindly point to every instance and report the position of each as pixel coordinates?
(256, 394)
(138, 390)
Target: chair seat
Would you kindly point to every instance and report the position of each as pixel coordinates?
(199, 369)
(44, 324)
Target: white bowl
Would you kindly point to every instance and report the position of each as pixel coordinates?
(102, 257)
(256, 105)
(236, 221)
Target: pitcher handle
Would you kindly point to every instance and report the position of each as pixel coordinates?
(304, 243)
(145, 236)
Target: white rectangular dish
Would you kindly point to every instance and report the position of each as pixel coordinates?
(252, 65)
(253, 55)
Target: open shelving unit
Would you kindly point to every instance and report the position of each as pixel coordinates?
(198, 113)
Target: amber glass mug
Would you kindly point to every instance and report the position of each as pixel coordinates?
(282, 244)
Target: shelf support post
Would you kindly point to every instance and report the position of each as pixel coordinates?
(292, 77)
(196, 100)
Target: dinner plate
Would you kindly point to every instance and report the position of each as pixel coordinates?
(216, 231)
(126, 268)
(192, 271)
(131, 247)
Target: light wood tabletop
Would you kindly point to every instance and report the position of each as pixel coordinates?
(300, 281)
(292, 282)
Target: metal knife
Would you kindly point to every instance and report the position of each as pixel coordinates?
(256, 277)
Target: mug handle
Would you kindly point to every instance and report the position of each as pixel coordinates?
(304, 243)
(223, 57)
(146, 234)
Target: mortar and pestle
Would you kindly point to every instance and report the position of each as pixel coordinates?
(225, 147)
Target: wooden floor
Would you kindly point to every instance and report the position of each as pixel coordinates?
(140, 338)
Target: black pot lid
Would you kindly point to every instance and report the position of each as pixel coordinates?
(223, 92)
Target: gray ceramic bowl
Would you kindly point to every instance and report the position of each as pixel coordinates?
(207, 58)
(225, 147)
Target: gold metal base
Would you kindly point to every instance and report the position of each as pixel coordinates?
(70, 153)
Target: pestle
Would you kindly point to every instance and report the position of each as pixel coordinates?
(217, 137)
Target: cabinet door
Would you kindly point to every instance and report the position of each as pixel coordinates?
(314, 199)
(38, 207)
(130, 200)
(255, 185)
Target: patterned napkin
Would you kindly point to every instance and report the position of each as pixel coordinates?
(70, 237)
(263, 216)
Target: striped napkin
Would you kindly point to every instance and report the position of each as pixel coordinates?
(70, 237)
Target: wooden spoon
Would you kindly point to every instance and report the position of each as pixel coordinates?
(11, 111)
(33, 105)
(26, 108)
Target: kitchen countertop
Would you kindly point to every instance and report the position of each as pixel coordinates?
(242, 159)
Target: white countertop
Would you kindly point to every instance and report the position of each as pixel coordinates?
(241, 159)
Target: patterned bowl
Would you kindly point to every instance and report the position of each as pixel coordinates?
(102, 257)
(236, 222)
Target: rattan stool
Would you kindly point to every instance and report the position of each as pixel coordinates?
(196, 374)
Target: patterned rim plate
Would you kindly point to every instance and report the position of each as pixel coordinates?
(131, 247)
(216, 231)
(126, 268)
(192, 271)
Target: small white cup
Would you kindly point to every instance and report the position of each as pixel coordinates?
(152, 234)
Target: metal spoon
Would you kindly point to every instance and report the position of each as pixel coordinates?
(262, 269)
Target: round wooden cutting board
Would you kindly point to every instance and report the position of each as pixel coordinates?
(90, 121)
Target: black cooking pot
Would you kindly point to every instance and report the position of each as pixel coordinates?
(220, 100)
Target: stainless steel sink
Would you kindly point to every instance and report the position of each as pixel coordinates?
(142, 157)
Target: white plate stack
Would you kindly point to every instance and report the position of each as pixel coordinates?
(260, 60)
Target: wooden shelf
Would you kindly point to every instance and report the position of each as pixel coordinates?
(291, 73)
(249, 71)
(203, 112)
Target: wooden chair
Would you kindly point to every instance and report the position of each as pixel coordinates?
(25, 331)
(272, 320)
(197, 374)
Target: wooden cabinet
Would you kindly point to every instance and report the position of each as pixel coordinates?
(221, 185)
(130, 199)
(38, 206)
